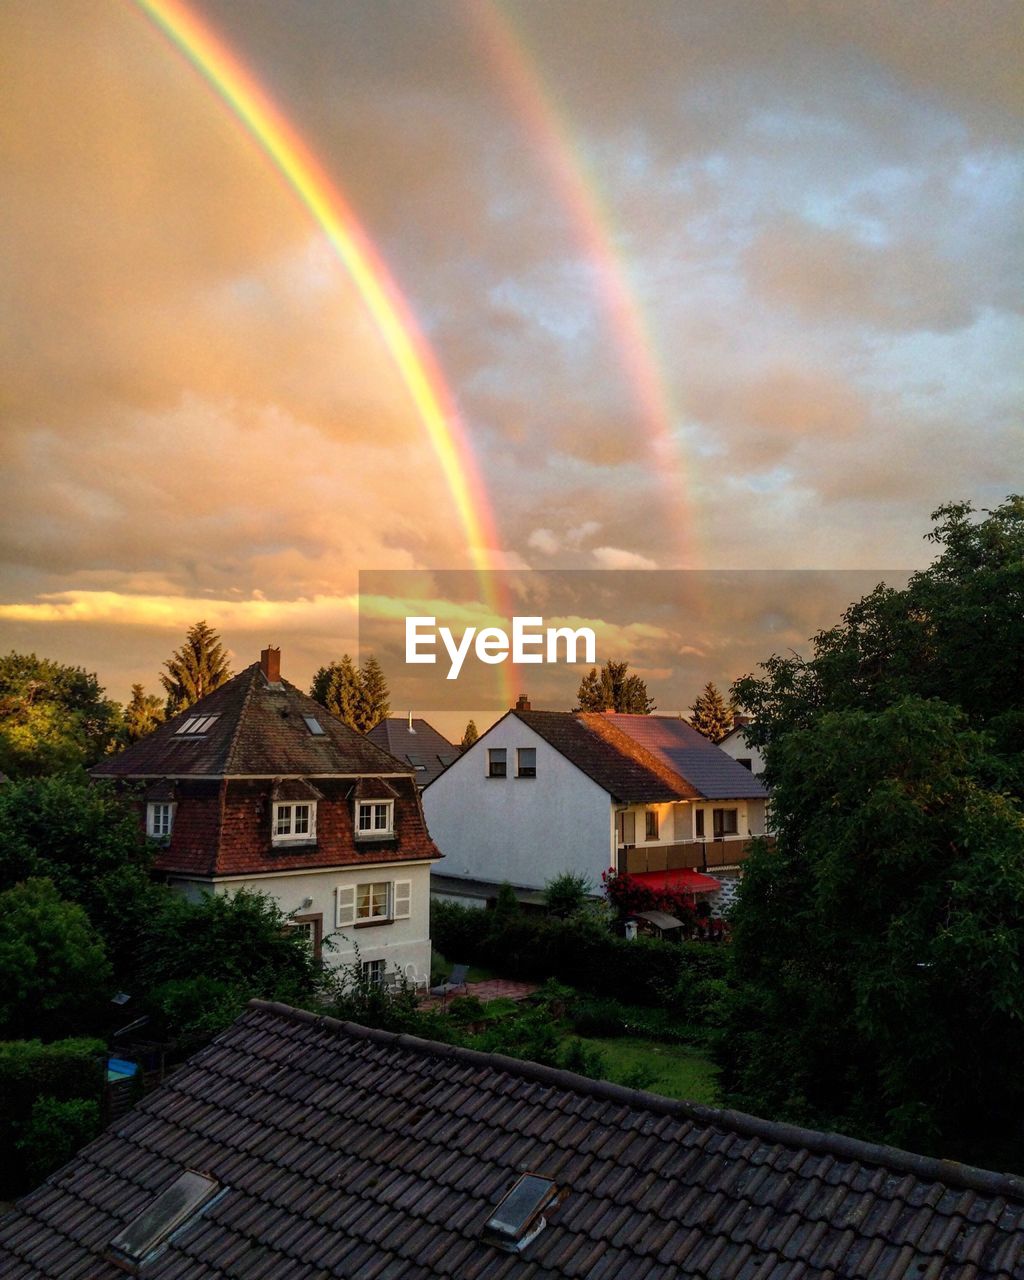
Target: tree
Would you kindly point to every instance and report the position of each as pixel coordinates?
(469, 737)
(196, 669)
(142, 714)
(53, 967)
(337, 688)
(567, 893)
(878, 950)
(710, 714)
(53, 718)
(374, 703)
(613, 689)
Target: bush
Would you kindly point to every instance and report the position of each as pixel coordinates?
(600, 1018)
(585, 1060)
(30, 1070)
(566, 894)
(54, 1131)
(464, 1010)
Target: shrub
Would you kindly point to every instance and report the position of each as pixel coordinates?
(55, 1129)
(566, 894)
(600, 1018)
(585, 1060)
(466, 1009)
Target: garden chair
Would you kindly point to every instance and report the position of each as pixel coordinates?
(456, 982)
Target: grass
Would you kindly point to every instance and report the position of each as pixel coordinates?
(440, 968)
(676, 1070)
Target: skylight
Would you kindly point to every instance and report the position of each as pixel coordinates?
(517, 1219)
(314, 726)
(154, 1225)
(195, 725)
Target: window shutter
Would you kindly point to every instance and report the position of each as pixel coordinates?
(403, 899)
(345, 905)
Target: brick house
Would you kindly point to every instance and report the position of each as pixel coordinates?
(256, 786)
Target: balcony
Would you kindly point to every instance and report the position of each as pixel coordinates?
(694, 855)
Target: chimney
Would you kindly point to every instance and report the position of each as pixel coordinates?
(270, 664)
(411, 729)
(522, 703)
(739, 720)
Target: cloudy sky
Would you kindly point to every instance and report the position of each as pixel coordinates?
(711, 285)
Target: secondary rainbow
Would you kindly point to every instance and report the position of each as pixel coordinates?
(331, 212)
(577, 192)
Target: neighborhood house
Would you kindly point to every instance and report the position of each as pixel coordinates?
(547, 792)
(417, 744)
(257, 787)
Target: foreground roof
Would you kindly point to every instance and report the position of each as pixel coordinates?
(343, 1151)
(260, 730)
(714, 773)
(417, 744)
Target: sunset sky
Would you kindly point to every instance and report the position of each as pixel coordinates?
(708, 285)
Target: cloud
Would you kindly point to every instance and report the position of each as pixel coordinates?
(544, 541)
(617, 558)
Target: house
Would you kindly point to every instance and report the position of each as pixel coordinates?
(417, 743)
(257, 787)
(296, 1147)
(735, 744)
(547, 792)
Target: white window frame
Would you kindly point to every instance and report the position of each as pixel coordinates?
(373, 831)
(373, 972)
(398, 904)
(291, 835)
(151, 809)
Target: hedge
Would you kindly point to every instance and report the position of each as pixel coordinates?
(581, 952)
(30, 1070)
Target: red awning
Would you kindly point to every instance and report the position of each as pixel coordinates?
(684, 881)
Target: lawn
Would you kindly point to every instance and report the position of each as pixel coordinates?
(678, 1071)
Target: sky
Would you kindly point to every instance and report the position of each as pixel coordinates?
(707, 286)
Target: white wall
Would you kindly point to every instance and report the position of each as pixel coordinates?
(399, 943)
(524, 830)
(737, 747)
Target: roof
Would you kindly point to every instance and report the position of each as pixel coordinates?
(259, 731)
(660, 919)
(714, 773)
(422, 747)
(682, 880)
(627, 771)
(349, 1152)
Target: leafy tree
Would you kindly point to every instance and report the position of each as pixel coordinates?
(196, 669)
(567, 893)
(613, 689)
(142, 714)
(374, 703)
(469, 737)
(879, 950)
(53, 966)
(53, 718)
(55, 1129)
(338, 688)
(710, 714)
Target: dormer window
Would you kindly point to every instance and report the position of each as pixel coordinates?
(375, 819)
(294, 823)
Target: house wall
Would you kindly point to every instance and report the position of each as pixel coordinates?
(399, 943)
(736, 746)
(524, 830)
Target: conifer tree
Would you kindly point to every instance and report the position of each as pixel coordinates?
(196, 669)
(339, 688)
(613, 689)
(711, 714)
(469, 737)
(142, 714)
(374, 696)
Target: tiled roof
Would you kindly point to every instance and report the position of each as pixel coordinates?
(621, 767)
(347, 1152)
(714, 773)
(260, 731)
(424, 749)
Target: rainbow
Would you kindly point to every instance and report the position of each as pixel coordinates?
(578, 193)
(330, 211)
(392, 316)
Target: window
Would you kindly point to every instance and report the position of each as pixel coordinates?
(311, 929)
(746, 762)
(698, 824)
(375, 818)
(195, 725)
(148, 1230)
(651, 818)
(375, 902)
(526, 762)
(314, 726)
(725, 823)
(497, 765)
(373, 972)
(294, 822)
(159, 819)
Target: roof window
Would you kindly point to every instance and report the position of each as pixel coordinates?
(195, 726)
(517, 1220)
(152, 1228)
(314, 726)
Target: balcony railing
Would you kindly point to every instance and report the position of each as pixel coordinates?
(692, 855)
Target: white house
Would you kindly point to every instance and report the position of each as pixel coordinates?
(546, 792)
(257, 787)
(735, 744)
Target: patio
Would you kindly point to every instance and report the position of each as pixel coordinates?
(491, 989)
